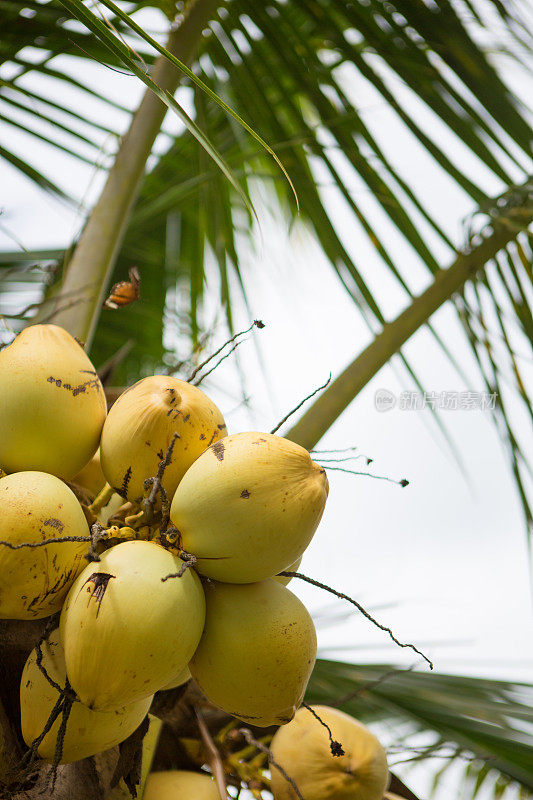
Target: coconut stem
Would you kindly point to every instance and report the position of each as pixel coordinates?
(150, 742)
(189, 560)
(213, 756)
(157, 486)
(250, 739)
(102, 499)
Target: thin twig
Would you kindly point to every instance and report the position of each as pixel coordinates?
(213, 756)
(368, 686)
(165, 507)
(335, 746)
(202, 341)
(61, 309)
(363, 611)
(219, 362)
(345, 458)
(48, 628)
(46, 542)
(69, 697)
(247, 733)
(255, 324)
(336, 450)
(294, 410)
(96, 535)
(40, 304)
(29, 757)
(156, 482)
(189, 560)
(94, 58)
(403, 483)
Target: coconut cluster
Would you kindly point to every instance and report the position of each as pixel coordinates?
(158, 540)
(171, 572)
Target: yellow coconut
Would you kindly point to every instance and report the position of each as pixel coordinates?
(284, 579)
(127, 632)
(35, 507)
(140, 427)
(257, 651)
(88, 732)
(183, 676)
(180, 785)
(52, 404)
(248, 507)
(302, 748)
(91, 476)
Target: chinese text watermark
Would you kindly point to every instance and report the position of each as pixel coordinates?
(385, 400)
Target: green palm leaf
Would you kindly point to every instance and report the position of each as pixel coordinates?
(484, 724)
(290, 57)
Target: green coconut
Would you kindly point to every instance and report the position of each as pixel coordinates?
(127, 630)
(88, 732)
(141, 425)
(36, 507)
(248, 507)
(257, 651)
(52, 404)
(302, 749)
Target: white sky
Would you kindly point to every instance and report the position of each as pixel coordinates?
(443, 561)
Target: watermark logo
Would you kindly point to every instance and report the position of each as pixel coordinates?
(385, 400)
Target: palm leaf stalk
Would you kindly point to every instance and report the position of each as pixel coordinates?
(338, 395)
(88, 272)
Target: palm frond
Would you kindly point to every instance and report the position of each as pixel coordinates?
(292, 71)
(481, 723)
(57, 47)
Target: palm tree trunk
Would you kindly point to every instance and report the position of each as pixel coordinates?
(89, 270)
(334, 400)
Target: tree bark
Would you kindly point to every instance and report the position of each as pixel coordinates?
(88, 272)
